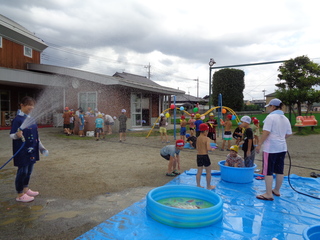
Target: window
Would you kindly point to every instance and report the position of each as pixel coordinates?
(27, 51)
(88, 99)
(0, 42)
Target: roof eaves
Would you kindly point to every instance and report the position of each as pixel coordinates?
(153, 88)
(93, 77)
(17, 33)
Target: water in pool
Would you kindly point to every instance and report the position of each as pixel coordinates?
(185, 203)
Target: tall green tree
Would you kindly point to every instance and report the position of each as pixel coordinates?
(297, 80)
(230, 83)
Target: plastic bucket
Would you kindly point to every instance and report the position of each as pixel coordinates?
(235, 174)
(312, 233)
(184, 218)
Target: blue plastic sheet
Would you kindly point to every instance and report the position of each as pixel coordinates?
(244, 216)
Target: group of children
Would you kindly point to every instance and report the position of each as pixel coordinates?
(108, 121)
(102, 121)
(246, 136)
(245, 133)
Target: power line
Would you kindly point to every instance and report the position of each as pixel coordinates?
(69, 62)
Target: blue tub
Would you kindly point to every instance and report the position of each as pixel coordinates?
(312, 233)
(236, 175)
(184, 218)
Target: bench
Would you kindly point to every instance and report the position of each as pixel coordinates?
(306, 121)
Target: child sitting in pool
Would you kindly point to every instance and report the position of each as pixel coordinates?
(233, 159)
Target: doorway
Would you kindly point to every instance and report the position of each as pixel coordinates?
(140, 111)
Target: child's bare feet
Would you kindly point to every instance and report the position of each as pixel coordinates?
(200, 186)
(211, 187)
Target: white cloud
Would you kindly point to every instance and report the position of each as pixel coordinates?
(177, 37)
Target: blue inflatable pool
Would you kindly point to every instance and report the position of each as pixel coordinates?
(184, 218)
(236, 175)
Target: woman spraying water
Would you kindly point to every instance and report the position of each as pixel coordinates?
(24, 131)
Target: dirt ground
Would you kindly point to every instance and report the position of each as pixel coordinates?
(84, 182)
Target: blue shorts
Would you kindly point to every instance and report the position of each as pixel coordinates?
(99, 130)
(183, 131)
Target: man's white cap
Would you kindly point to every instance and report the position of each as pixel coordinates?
(161, 115)
(246, 119)
(123, 111)
(274, 102)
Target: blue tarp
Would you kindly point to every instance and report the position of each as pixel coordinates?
(244, 216)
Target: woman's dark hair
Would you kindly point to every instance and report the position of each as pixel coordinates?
(279, 107)
(27, 101)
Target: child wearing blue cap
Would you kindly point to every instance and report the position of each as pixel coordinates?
(192, 140)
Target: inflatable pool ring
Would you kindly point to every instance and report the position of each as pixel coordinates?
(235, 174)
(181, 217)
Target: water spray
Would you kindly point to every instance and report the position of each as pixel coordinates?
(47, 102)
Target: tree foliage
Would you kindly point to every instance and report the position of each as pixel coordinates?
(230, 83)
(297, 80)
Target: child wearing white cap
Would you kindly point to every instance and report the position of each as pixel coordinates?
(247, 146)
(122, 125)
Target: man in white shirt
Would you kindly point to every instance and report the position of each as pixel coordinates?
(276, 129)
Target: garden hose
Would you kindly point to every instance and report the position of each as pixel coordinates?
(290, 182)
(23, 143)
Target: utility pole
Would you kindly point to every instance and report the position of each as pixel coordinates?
(149, 70)
(188, 90)
(264, 94)
(211, 63)
(197, 86)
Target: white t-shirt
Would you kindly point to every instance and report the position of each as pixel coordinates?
(108, 118)
(279, 126)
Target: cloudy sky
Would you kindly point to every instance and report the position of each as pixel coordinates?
(176, 37)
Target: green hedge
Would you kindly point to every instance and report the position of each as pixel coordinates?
(260, 117)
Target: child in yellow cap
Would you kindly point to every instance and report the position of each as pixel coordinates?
(233, 159)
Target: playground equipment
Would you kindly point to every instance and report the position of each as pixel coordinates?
(202, 116)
